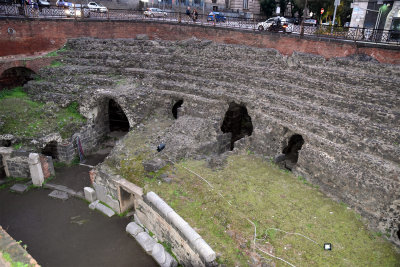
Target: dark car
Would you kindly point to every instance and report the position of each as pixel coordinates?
(219, 17)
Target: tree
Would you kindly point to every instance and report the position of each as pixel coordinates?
(268, 7)
(283, 5)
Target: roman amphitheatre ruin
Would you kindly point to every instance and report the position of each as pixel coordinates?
(329, 119)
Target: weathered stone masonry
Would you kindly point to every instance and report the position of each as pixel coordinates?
(346, 109)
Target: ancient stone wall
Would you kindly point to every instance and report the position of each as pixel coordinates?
(38, 36)
(156, 216)
(344, 109)
(18, 167)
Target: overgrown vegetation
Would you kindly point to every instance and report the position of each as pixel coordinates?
(271, 198)
(25, 118)
(258, 190)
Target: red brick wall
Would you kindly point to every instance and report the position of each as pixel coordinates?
(35, 36)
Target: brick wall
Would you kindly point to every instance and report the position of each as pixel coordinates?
(36, 36)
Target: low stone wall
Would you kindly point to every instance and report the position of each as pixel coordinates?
(18, 255)
(26, 165)
(90, 136)
(18, 167)
(156, 215)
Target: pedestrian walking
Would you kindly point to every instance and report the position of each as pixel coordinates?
(195, 15)
(188, 13)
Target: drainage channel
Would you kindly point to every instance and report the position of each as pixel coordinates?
(68, 233)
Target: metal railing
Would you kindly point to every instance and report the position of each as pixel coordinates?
(353, 34)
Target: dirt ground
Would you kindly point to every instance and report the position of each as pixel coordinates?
(68, 233)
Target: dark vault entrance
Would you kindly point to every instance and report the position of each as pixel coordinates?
(176, 107)
(238, 122)
(51, 150)
(291, 151)
(14, 77)
(117, 118)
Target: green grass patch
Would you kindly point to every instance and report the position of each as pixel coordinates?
(25, 118)
(55, 63)
(271, 198)
(56, 53)
(260, 191)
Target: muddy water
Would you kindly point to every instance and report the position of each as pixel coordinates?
(68, 233)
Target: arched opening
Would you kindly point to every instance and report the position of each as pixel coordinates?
(5, 143)
(117, 118)
(14, 77)
(291, 151)
(51, 150)
(398, 232)
(176, 107)
(238, 122)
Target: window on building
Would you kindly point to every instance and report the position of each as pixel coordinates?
(245, 4)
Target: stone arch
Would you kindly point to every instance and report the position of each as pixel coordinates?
(237, 122)
(291, 151)
(176, 107)
(16, 76)
(51, 149)
(117, 118)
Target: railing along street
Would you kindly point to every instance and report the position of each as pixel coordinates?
(251, 24)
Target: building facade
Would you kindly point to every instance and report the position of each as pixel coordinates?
(375, 14)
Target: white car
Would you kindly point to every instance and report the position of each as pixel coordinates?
(266, 25)
(155, 12)
(93, 6)
(263, 26)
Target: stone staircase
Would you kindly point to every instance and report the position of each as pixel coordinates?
(347, 110)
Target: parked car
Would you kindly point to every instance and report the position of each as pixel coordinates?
(310, 22)
(62, 3)
(43, 3)
(219, 17)
(93, 6)
(155, 12)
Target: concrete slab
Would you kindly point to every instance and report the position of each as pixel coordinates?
(104, 209)
(19, 188)
(59, 195)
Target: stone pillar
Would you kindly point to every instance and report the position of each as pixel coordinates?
(35, 168)
(6, 153)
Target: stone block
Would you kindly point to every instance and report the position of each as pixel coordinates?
(158, 253)
(160, 204)
(59, 195)
(145, 241)
(204, 250)
(189, 233)
(104, 209)
(136, 219)
(101, 192)
(90, 194)
(113, 203)
(35, 168)
(162, 257)
(19, 188)
(176, 220)
(93, 205)
(153, 165)
(134, 229)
